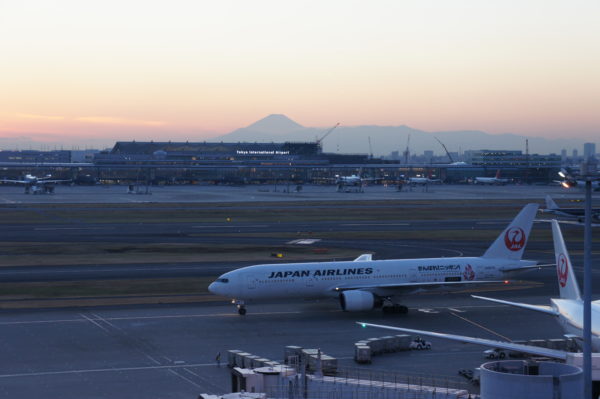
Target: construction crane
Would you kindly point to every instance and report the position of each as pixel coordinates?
(327, 133)
(407, 151)
(445, 149)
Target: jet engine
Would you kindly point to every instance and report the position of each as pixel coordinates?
(356, 301)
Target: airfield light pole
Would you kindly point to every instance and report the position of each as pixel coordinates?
(589, 173)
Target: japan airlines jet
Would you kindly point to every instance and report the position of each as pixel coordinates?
(568, 310)
(492, 180)
(36, 185)
(423, 181)
(364, 284)
(578, 213)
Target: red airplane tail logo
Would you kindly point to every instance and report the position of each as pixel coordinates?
(469, 273)
(514, 239)
(562, 268)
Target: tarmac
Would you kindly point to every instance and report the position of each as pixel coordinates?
(170, 351)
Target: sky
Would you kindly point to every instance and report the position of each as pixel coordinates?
(87, 73)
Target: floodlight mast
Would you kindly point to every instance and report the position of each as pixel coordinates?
(588, 172)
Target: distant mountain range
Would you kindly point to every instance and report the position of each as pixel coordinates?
(385, 139)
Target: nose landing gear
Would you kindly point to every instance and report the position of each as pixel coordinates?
(240, 305)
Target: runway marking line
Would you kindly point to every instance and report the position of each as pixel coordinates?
(72, 228)
(237, 226)
(203, 379)
(94, 323)
(8, 323)
(118, 369)
(125, 334)
(482, 327)
(428, 310)
(375, 224)
(185, 378)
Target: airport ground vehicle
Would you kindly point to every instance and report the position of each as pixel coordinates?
(495, 353)
(419, 344)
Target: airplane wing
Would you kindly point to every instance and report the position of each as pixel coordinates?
(14, 181)
(534, 350)
(538, 308)
(516, 269)
(416, 285)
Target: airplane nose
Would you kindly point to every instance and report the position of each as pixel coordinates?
(212, 288)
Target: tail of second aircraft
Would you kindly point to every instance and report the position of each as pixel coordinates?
(511, 243)
(567, 284)
(550, 204)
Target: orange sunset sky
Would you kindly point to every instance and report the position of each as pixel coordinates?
(92, 72)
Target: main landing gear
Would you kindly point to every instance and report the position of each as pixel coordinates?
(390, 307)
(240, 305)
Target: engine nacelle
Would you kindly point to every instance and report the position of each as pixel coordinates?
(357, 301)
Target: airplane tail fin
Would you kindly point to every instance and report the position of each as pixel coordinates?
(511, 243)
(550, 204)
(497, 173)
(567, 284)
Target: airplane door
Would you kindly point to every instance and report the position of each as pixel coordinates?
(251, 282)
(413, 276)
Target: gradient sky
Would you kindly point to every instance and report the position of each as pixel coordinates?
(96, 71)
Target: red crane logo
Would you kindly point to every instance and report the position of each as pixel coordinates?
(514, 239)
(562, 268)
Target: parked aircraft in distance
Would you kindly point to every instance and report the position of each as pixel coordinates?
(36, 185)
(569, 181)
(365, 284)
(568, 310)
(422, 181)
(492, 180)
(578, 213)
(352, 181)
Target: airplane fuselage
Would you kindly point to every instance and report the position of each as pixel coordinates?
(490, 180)
(570, 318)
(327, 279)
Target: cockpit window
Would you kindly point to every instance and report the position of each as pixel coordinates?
(223, 280)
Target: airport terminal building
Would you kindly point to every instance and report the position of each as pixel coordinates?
(254, 163)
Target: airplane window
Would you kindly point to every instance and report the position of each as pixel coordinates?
(223, 280)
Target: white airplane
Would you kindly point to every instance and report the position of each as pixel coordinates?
(422, 180)
(36, 185)
(578, 213)
(568, 310)
(492, 180)
(365, 284)
(352, 180)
